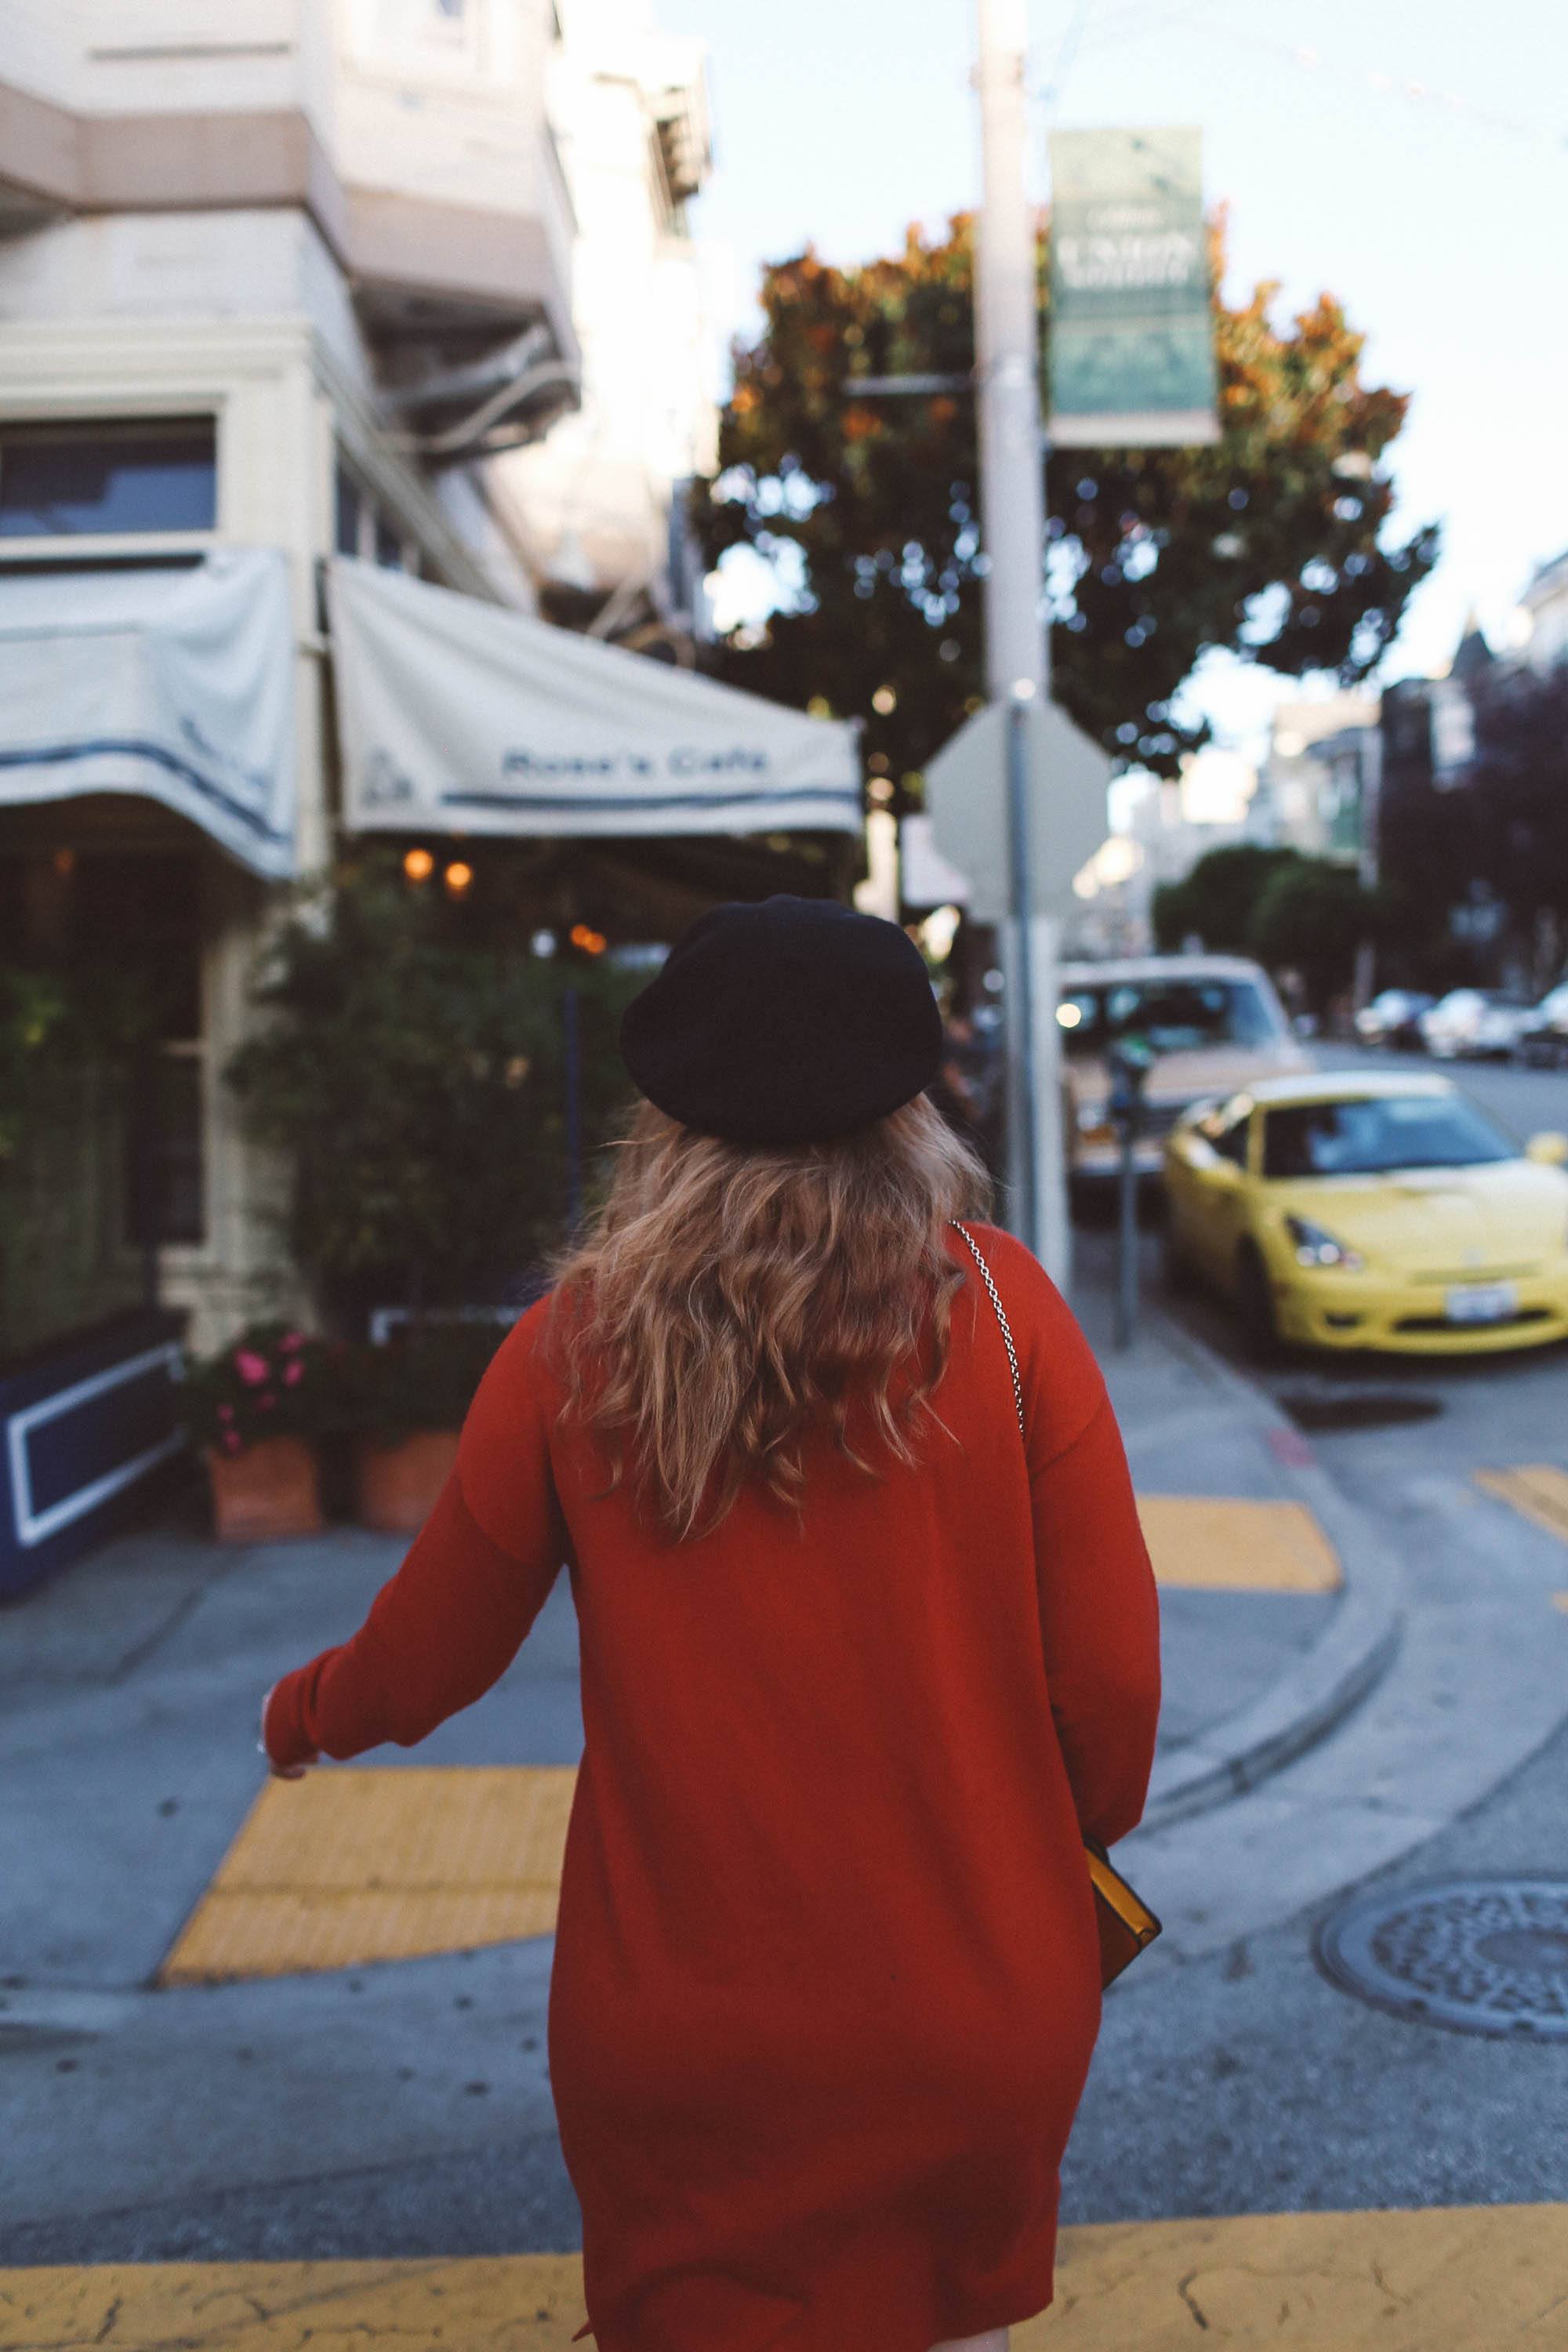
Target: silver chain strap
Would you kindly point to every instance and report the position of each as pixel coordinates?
(996, 1298)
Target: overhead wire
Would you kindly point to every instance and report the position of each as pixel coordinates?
(1143, 18)
(1066, 52)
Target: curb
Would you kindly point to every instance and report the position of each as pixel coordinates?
(1343, 1665)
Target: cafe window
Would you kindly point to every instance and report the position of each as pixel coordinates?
(363, 527)
(348, 518)
(138, 917)
(164, 1192)
(108, 477)
(389, 552)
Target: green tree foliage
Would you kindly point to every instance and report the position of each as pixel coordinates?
(412, 1073)
(1311, 917)
(1216, 900)
(1270, 542)
(1304, 914)
(33, 1011)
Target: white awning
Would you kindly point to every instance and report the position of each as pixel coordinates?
(461, 717)
(176, 685)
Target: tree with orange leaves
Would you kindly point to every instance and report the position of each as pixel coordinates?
(1272, 542)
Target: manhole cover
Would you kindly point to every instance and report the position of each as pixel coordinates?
(1359, 1408)
(1478, 1955)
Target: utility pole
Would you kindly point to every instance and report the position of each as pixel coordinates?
(1018, 641)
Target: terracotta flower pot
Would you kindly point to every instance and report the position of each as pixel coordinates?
(268, 1490)
(398, 1483)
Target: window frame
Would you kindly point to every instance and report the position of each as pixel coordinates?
(86, 548)
(374, 516)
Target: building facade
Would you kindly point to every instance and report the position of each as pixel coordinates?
(1317, 789)
(600, 501)
(305, 276)
(1545, 606)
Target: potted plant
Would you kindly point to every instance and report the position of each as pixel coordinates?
(412, 1074)
(410, 1396)
(255, 1409)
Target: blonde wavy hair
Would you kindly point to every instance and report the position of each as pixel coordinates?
(727, 1299)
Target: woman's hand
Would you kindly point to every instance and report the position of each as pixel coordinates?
(282, 1771)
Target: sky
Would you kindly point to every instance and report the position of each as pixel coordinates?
(1410, 156)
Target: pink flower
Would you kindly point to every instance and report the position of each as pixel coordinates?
(293, 1374)
(225, 1412)
(290, 1341)
(231, 1444)
(251, 1368)
(265, 1403)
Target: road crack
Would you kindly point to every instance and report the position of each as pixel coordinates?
(1184, 2288)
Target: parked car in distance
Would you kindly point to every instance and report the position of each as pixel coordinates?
(1543, 1040)
(1392, 1018)
(1478, 1023)
(1212, 1024)
(1372, 1210)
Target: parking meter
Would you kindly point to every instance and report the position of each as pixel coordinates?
(1131, 1061)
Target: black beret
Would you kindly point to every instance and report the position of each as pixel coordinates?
(790, 1021)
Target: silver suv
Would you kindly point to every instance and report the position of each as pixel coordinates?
(1213, 1022)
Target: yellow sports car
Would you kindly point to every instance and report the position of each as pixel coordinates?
(1364, 1211)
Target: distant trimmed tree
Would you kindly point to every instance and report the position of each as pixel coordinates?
(1306, 915)
(1270, 543)
(1311, 916)
(1217, 898)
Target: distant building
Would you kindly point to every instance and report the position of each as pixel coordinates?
(1167, 826)
(1317, 789)
(600, 501)
(1429, 734)
(1546, 603)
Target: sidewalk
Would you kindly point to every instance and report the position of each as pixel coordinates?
(384, 1997)
(1278, 1608)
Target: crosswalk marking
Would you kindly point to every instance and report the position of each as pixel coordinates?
(1538, 1491)
(1213, 1543)
(1448, 2279)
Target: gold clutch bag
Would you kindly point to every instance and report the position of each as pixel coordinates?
(1127, 1926)
(1126, 1923)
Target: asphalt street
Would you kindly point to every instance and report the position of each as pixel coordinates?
(1243, 2079)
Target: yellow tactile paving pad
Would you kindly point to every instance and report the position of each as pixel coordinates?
(346, 1868)
(1465, 2279)
(1537, 1490)
(1209, 1543)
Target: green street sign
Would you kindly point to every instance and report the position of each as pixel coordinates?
(1131, 327)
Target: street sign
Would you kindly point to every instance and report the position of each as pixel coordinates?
(1131, 340)
(966, 795)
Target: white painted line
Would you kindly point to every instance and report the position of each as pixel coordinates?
(34, 1527)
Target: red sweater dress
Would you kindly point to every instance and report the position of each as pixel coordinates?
(826, 1981)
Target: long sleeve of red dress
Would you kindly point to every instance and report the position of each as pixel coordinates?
(445, 1628)
(825, 1982)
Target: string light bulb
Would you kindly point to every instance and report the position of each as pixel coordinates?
(418, 865)
(458, 877)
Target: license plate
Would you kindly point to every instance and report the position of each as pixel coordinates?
(1482, 1302)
